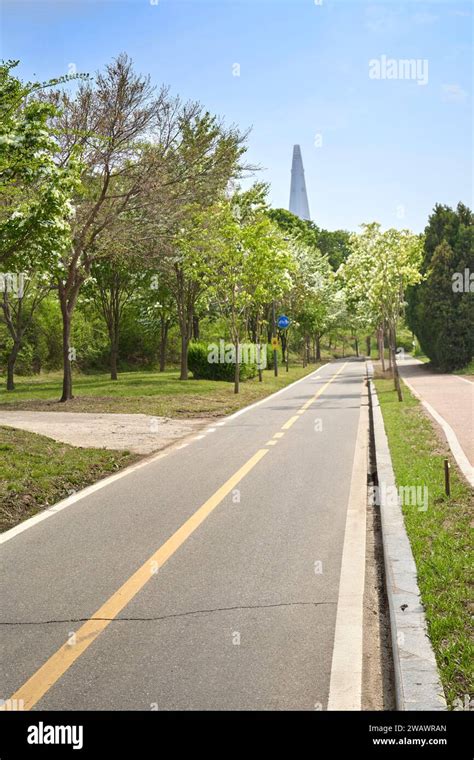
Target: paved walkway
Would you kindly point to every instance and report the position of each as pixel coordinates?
(215, 577)
(451, 396)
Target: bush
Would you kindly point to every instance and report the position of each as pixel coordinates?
(203, 369)
(270, 356)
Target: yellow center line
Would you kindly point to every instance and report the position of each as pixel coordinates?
(271, 443)
(311, 400)
(289, 423)
(278, 435)
(322, 389)
(52, 670)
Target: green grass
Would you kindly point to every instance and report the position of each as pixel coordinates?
(441, 537)
(36, 472)
(155, 393)
(467, 370)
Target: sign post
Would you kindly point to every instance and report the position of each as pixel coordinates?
(284, 324)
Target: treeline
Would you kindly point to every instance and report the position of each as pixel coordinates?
(122, 224)
(125, 235)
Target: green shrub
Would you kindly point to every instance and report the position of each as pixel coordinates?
(203, 369)
(270, 356)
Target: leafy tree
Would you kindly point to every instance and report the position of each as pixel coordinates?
(35, 207)
(335, 245)
(250, 263)
(305, 231)
(201, 163)
(314, 300)
(440, 313)
(111, 287)
(17, 312)
(157, 307)
(379, 269)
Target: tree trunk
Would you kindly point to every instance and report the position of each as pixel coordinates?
(163, 343)
(237, 368)
(184, 355)
(381, 348)
(368, 345)
(67, 373)
(393, 355)
(357, 346)
(11, 361)
(113, 361)
(318, 348)
(195, 327)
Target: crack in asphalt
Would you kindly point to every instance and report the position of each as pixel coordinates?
(172, 615)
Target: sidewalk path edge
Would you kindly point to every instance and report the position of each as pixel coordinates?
(458, 453)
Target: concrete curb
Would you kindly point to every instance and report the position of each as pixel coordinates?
(417, 682)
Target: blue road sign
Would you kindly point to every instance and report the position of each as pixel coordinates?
(283, 322)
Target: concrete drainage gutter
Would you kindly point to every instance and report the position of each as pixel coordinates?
(417, 682)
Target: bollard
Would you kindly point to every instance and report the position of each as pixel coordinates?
(447, 483)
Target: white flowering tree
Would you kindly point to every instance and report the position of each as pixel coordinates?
(248, 265)
(314, 301)
(380, 267)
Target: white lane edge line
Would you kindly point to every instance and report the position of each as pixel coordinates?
(345, 688)
(272, 395)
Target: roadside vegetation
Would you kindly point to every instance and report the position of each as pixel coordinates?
(124, 244)
(441, 537)
(467, 370)
(154, 393)
(36, 472)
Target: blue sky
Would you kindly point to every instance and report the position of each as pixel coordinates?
(373, 149)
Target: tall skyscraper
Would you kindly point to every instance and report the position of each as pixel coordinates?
(298, 196)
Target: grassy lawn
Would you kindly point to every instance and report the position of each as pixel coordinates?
(36, 472)
(441, 537)
(155, 393)
(467, 370)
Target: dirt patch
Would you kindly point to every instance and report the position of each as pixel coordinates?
(139, 433)
(377, 669)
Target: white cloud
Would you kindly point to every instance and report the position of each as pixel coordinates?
(454, 93)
